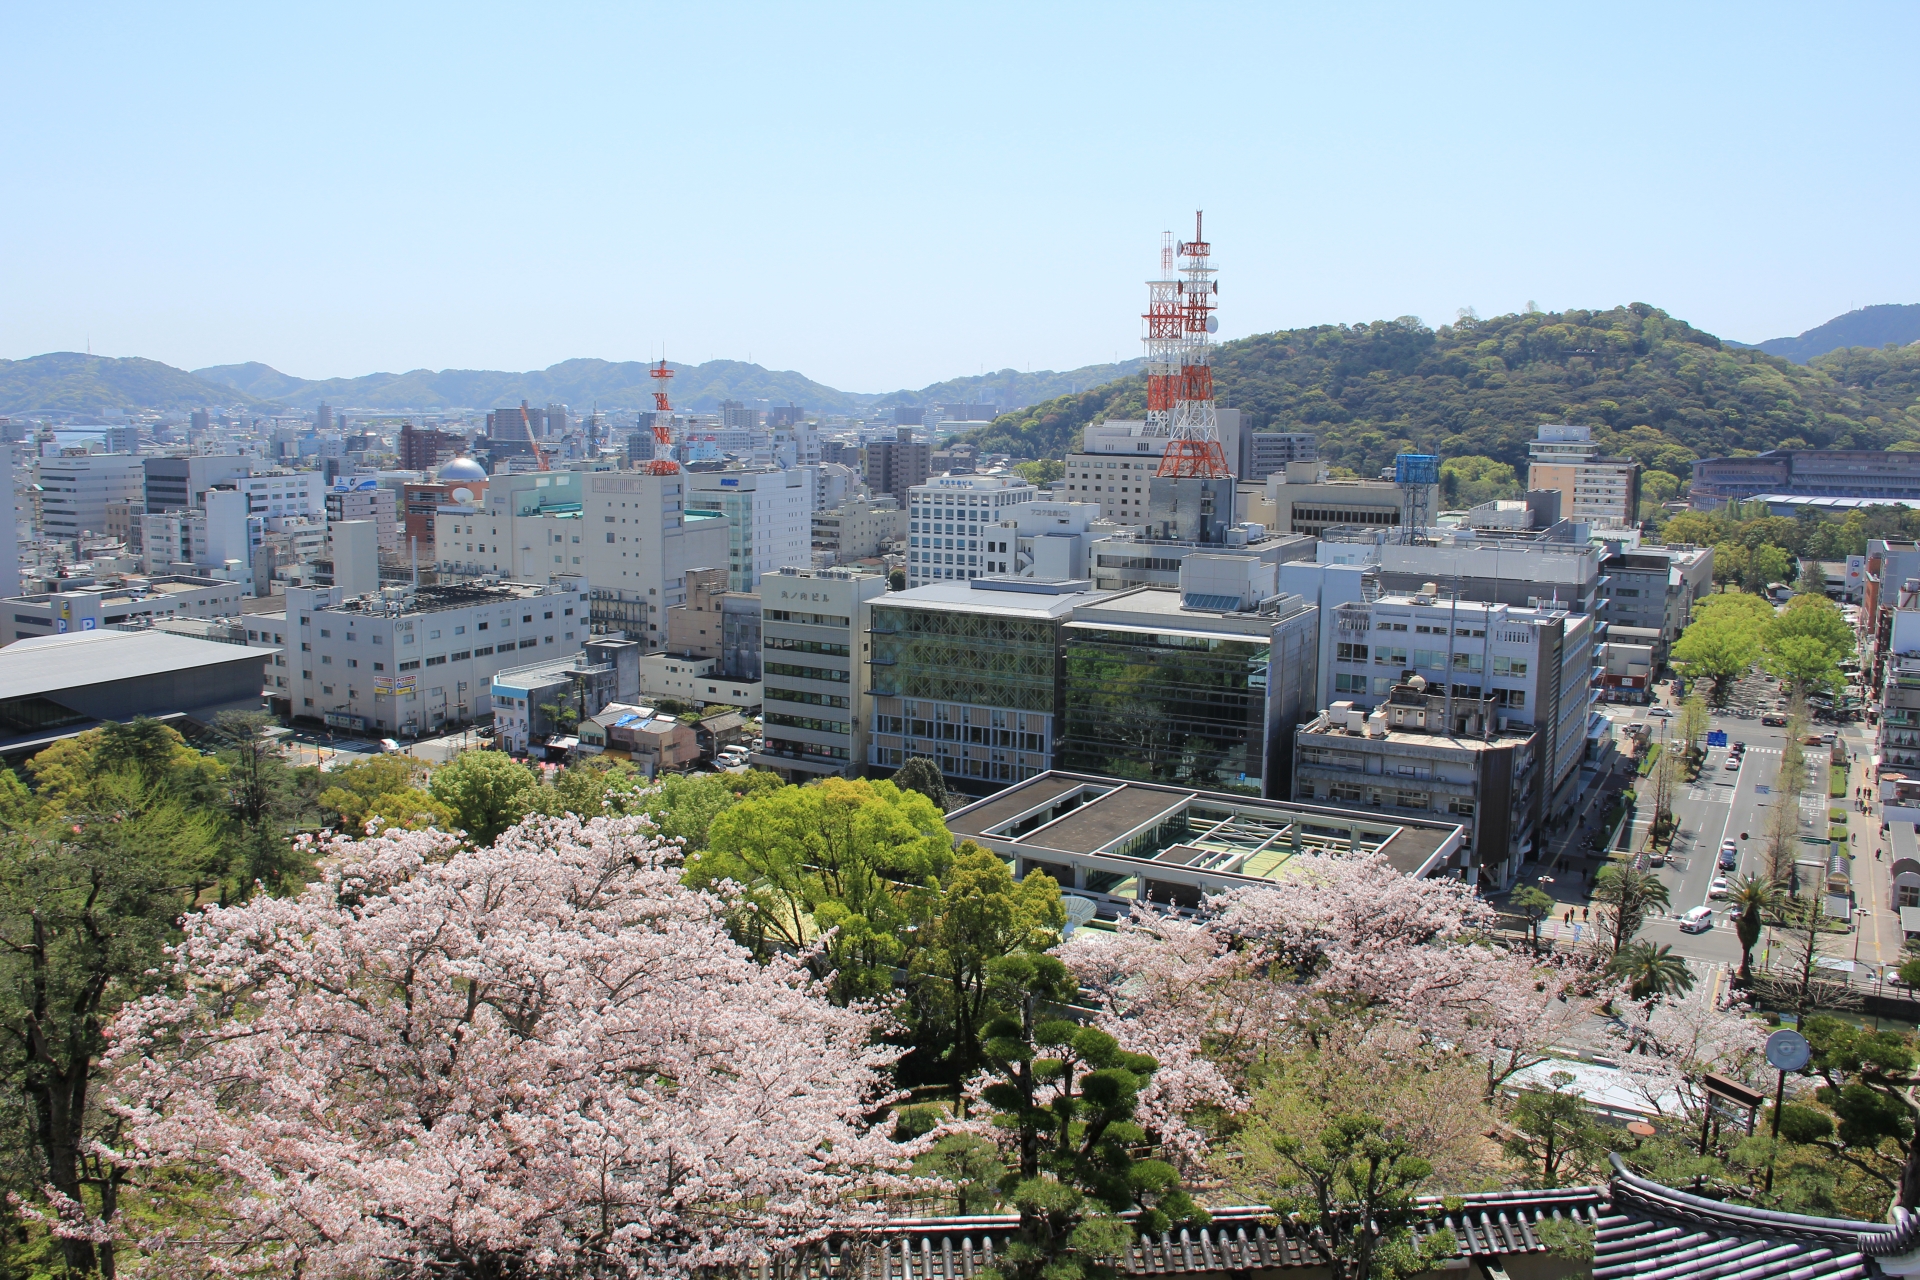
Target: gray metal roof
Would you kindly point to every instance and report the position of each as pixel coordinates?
(45, 664)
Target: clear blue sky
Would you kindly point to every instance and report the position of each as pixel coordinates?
(883, 196)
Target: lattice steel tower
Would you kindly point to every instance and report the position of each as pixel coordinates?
(1193, 444)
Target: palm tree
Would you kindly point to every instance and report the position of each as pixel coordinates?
(1753, 897)
(1625, 896)
(1651, 971)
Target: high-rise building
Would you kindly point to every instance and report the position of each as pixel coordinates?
(323, 417)
(951, 518)
(641, 540)
(813, 648)
(769, 519)
(557, 419)
(1598, 490)
(735, 416)
(365, 498)
(895, 466)
(423, 449)
(74, 492)
(172, 484)
(1271, 451)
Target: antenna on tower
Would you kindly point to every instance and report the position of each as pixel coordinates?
(662, 432)
(1180, 329)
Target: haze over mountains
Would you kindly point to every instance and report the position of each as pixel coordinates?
(70, 382)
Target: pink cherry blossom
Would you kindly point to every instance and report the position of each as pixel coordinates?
(543, 1055)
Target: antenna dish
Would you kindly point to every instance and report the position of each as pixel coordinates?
(1079, 911)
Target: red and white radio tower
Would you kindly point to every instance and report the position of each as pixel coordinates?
(1180, 328)
(662, 436)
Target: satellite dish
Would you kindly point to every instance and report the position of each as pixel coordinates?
(1213, 324)
(1079, 911)
(462, 494)
(1788, 1051)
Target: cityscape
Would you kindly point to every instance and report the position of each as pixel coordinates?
(1370, 799)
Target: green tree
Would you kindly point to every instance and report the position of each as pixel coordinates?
(1625, 897)
(977, 915)
(1553, 1131)
(685, 806)
(1068, 1094)
(486, 791)
(1804, 660)
(860, 858)
(1651, 970)
(354, 791)
(1472, 479)
(1817, 618)
(1867, 1081)
(1716, 647)
(923, 775)
(267, 801)
(1533, 905)
(1042, 472)
(896, 579)
(1754, 898)
(1691, 727)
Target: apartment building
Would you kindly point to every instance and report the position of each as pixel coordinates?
(950, 519)
(1271, 451)
(73, 493)
(284, 493)
(769, 519)
(1536, 666)
(412, 662)
(967, 673)
(1598, 490)
(1649, 594)
(365, 498)
(814, 649)
(896, 466)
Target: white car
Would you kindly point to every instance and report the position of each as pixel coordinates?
(1661, 712)
(1698, 920)
(1718, 889)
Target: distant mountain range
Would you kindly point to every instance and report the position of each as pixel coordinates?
(68, 382)
(1866, 327)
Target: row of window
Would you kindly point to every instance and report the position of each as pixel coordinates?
(773, 719)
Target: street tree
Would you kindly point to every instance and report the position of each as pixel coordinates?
(1651, 970)
(1803, 659)
(1532, 904)
(1690, 727)
(1626, 898)
(544, 1055)
(1754, 898)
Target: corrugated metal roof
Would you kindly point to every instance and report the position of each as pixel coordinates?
(45, 664)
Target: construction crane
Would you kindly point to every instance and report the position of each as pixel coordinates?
(538, 452)
(662, 436)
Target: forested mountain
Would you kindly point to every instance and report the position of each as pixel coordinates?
(1651, 385)
(1865, 327)
(70, 382)
(626, 385)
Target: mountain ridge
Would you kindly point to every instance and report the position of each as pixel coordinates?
(1874, 326)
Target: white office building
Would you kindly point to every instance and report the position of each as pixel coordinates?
(412, 662)
(769, 515)
(641, 541)
(814, 642)
(950, 520)
(1044, 539)
(74, 492)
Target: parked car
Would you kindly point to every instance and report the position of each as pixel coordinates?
(1718, 889)
(1698, 920)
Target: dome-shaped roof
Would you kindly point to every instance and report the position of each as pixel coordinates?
(462, 469)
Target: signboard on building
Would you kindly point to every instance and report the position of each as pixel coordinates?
(339, 720)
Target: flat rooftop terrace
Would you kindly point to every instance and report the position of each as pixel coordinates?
(1116, 840)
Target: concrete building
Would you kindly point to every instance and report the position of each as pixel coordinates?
(542, 700)
(365, 498)
(89, 605)
(218, 540)
(858, 529)
(353, 547)
(1044, 539)
(1432, 756)
(1197, 687)
(524, 526)
(896, 466)
(54, 687)
(696, 681)
(968, 674)
(814, 646)
(1781, 475)
(693, 628)
(1649, 593)
(413, 662)
(769, 519)
(950, 519)
(74, 492)
(641, 542)
(1535, 665)
(1130, 558)
(1302, 498)
(1117, 459)
(284, 493)
(421, 449)
(1271, 451)
(1124, 844)
(1598, 490)
(174, 484)
(1556, 568)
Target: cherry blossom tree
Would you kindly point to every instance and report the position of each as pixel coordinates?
(1672, 1042)
(546, 1055)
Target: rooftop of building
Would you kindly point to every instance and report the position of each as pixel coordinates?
(1232, 839)
(1166, 609)
(1028, 597)
(130, 590)
(46, 664)
(551, 669)
(409, 601)
(838, 573)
